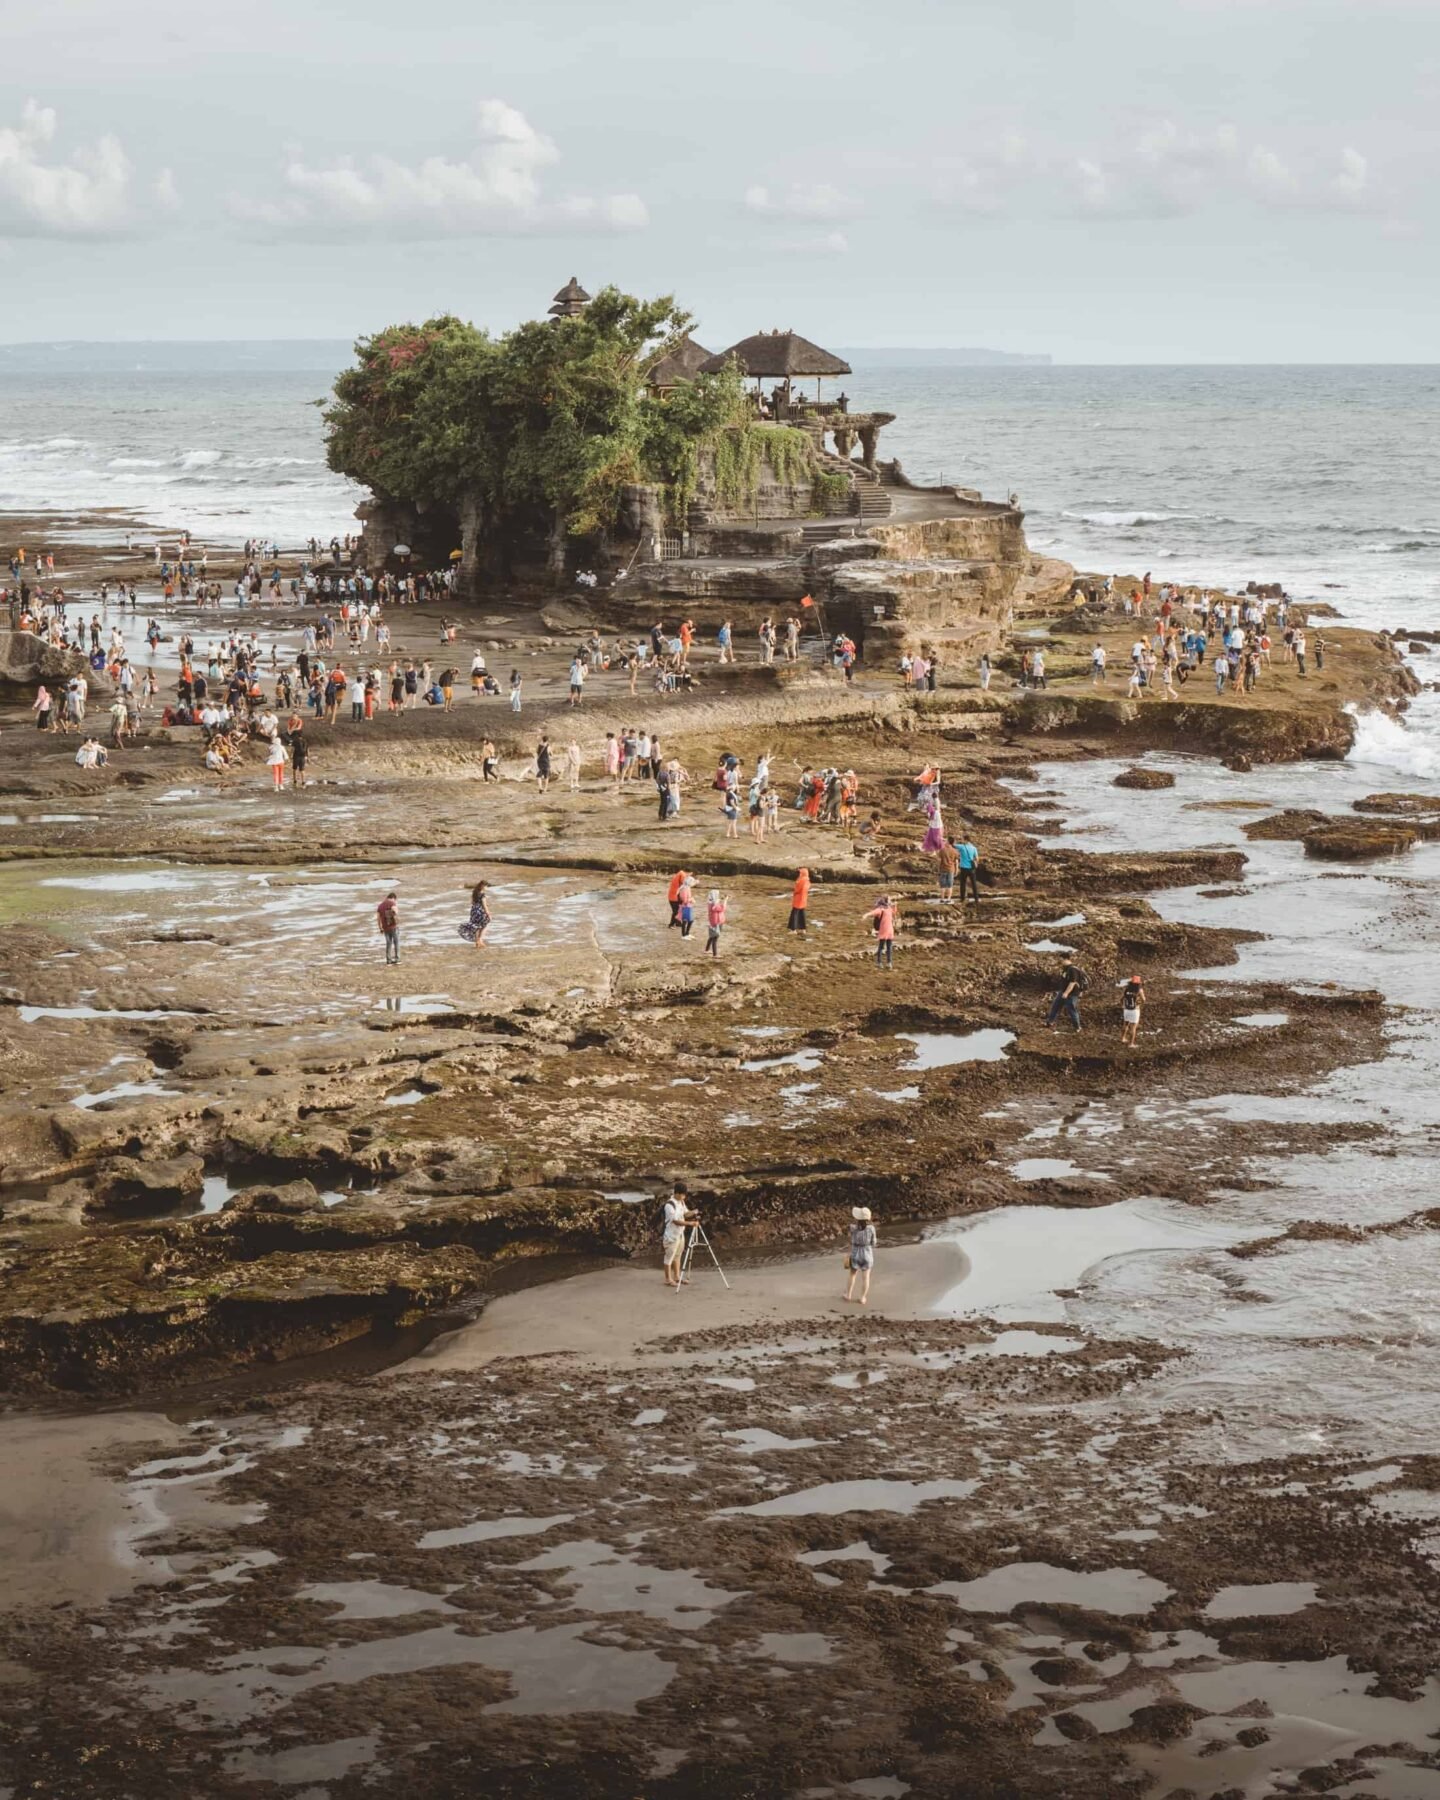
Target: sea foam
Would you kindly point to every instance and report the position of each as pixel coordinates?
(1388, 744)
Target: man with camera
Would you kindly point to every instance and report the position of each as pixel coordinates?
(678, 1219)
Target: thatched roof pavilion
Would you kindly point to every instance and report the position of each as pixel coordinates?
(778, 354)
(682, 363)
(570, 302)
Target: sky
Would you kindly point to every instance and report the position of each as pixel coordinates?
(1127, 181)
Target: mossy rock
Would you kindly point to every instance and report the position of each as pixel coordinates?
(1347, 843)
(1144, 778)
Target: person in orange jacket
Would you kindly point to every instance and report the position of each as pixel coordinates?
(799, 900)
(677, 882)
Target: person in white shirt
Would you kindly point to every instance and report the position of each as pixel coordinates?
(357, 699)
(1097, 663)
(677, 1216)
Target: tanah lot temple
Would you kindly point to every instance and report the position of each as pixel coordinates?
(822, 515)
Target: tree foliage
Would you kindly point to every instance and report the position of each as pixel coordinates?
(547, 422)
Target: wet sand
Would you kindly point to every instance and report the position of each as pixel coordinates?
(620, 1316)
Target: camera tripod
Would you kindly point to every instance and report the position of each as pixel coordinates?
(697, 1235)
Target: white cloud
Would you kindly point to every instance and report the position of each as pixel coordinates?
(86, 195)
(801, 200)
(498, 189)
(1165, 172)
(820, 243)
(1354, 176)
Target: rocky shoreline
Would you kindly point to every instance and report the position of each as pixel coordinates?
(231, 1137)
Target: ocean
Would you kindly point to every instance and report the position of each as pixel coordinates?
(1325, 479)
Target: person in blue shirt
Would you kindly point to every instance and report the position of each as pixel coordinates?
(969, 863)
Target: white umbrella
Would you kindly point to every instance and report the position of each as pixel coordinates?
(401, 550)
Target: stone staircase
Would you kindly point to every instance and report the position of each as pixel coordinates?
(872, 502)
(868, 497)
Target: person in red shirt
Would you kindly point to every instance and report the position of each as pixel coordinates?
(387, 917)
(799, 900)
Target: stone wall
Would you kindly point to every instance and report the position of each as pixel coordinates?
(992, 535)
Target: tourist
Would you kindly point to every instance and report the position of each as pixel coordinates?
(515, 686)
(41, 707)
(725, 638)
(1132, 998)
(685, 908)
(969, 862)
(884, 922)
(714, 921)
(1097, 663)
(357, 697)
(299, 750)
(478, 923)
(542, 764)
(572, 765)
(1072, 984)
(677, 881)
(730, 808)
(985, 672)
(577, 680)
(276, 758)
(489, 766)
(677, 1218)
(799, 900)
(448, 679)
(387, 917)
(947, 862)
(477, 674)
(861, 1259)
(1300, 651)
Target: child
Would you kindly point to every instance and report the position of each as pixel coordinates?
(1131, 1000)
(714, 921)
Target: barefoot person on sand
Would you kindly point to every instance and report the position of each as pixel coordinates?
(677, 1216)
(861, 1259)
(474, 929)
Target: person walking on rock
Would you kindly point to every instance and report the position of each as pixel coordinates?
(799, 900)
(677, 882)
(1073, 983)
(1132, 998)
(387, 917)
(542, 764)
(714, 922)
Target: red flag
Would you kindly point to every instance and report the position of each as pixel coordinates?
(807, 601)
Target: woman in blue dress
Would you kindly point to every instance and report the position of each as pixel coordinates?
(474, 929)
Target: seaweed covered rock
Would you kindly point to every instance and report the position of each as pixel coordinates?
(1144, 778)
(1346, 842)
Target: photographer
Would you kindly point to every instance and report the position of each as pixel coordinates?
(678, 1217)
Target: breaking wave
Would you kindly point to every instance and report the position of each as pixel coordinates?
(1385, 743)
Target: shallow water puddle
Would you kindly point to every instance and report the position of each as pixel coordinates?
(603, 1580)
(484, 1531)
(1019, 1255)
(1316, 1712)
(806, 1061)
(1048, 947)
(303, 1762)
(1124, 1592)
(1265, 1599)
(372, 1599)
(29, 1014)
(834, 1497)
(796, 1647)
(1051, 1168)
(943, 1049)
(1261, 1021)
(551, 1671)
(126, 1090)
(755, 1440)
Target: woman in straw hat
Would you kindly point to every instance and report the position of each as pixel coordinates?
(862, 1253)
